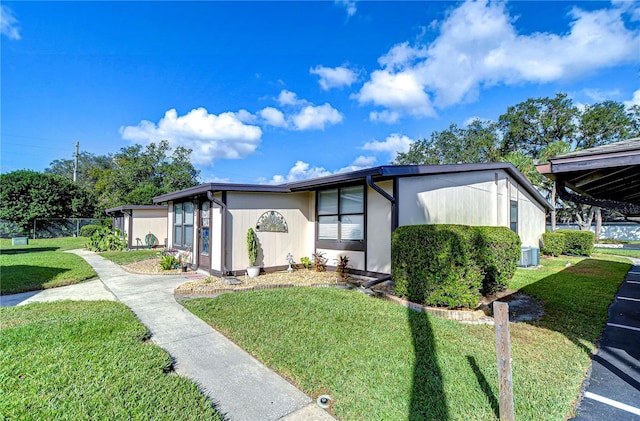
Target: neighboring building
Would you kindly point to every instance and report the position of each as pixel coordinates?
(137, 222)
(349, 214)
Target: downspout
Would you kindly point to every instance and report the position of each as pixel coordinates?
(223, 230)
(394, 223)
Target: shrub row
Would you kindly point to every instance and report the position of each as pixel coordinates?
(452, 265)
(568, 242)
(107, 239)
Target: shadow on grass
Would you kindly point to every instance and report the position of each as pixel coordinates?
(23, 278)
(428, 401)
(23, 250)
(576, 300)
(484, 385)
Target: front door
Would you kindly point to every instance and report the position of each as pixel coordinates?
(204, 247)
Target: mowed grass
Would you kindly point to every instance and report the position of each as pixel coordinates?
(88, 360)
(381, 361)
(131, 256)
(617, 252)
(43, 263)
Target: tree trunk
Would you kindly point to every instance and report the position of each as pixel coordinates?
(553, 206)
(598, 224)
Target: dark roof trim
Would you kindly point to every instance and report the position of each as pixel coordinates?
(134, 207)
(381, 172)
(622, 148)
(207, 187)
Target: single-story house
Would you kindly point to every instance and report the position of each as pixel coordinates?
(350, 214)
(138, 221)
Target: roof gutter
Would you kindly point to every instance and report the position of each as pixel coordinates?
(394, 207)
(223, 230)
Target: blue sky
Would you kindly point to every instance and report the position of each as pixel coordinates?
(280, 91)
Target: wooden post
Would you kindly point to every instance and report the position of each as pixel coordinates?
(503, 352)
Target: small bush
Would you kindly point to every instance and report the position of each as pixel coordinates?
(578, 242)
(553, 243)
(498, 253)
(107, 239)
(168, 262)
(319, 261)
(88, 230)
(437, 265)
(342, 267)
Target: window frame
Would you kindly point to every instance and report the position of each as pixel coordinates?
(180, 243)
(513, 223)
(339, 243)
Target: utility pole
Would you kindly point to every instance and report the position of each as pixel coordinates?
(75, 165)
(75, 180)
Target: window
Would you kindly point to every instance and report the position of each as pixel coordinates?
(341, 215)
(183, 224)
(513, 216)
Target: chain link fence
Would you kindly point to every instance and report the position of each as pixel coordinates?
(49, 227)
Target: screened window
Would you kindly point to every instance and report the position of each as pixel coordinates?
(513, 216)
(183, 224)
(341, 214)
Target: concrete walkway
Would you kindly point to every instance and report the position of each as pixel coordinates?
(612, 389)
(241, 387)
(91, 290)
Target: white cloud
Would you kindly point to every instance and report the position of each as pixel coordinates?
(303, 171)
(9, 24)
(300, 171)
(349, 6)
(316, 117)
(288, 98)
(393, 144)
(478, 46)
(384, 116)
(210, 136)
(334, 77)
(598, 95)
(273, 117)
(634, 101)
(400, 91)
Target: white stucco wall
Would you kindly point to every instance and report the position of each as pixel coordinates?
(379, 229)
(471, 198)
(147, 221)
(356, 258)
(244, 211)
(215, 245)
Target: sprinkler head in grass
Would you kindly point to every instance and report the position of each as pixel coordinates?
(323, 401)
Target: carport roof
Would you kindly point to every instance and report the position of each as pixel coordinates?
(609, 173)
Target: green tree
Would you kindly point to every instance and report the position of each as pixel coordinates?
(138, 174)
(26, 195)
(90, 167)
(478, 142)
(535, 123)
(604, 122)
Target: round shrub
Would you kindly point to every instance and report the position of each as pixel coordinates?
(498, 253)
(553, 243)
(578, 242)
(437, 265)
(88, 230)
(107, 239)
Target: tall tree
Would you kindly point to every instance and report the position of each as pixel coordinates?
(602, 123)
(26, 195)
(138, 174)
(478, 142)
(535, 123)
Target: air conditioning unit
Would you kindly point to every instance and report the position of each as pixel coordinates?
(529, 256)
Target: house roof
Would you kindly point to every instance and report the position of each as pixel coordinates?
(377, 173)
(610, 172)
(134, 207)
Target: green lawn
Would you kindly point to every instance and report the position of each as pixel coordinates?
(381, 361)
(42, 264)
(617, 252)
(126, 257)
(88, 360)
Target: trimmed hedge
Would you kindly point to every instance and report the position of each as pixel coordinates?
(89, 230)
(436, 265)
(499, 252)
(578, 242)
(553, 243)
(452, 265)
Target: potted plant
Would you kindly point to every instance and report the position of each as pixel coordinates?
(252, 249)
